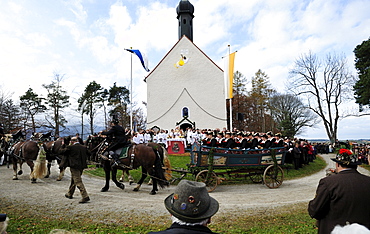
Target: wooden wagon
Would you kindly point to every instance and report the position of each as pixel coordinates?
(214, 165)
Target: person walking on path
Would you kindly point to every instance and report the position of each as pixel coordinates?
(342, 198)
(75, 157)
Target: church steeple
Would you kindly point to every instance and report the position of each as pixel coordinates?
(185, 16)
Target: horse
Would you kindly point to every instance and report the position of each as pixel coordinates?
(27, 151)
(138, 155)
(92, 143)
(52, 153)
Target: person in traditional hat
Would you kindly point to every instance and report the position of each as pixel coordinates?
(342, 198)
(75, 157)
(3, 223)
(191, 208)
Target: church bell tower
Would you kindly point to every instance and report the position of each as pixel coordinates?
(185, 15)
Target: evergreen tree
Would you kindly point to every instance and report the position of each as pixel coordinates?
(90, 100)
(260, 93)
(31, 103)
(362, 62)
(119, 99)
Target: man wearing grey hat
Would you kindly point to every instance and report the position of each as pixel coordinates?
(342, 198)
(191, 208)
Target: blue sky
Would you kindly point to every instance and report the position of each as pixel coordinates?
(85, 40)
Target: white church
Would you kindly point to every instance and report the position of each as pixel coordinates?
(186, 88)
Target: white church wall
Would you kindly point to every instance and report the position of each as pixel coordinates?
(199, 80)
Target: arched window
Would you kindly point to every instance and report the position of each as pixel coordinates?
(185, 112)
(184, 21)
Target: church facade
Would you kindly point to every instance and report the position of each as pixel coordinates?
(186, 88)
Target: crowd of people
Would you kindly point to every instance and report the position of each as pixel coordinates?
(299, 151)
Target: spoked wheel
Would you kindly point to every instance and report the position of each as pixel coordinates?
(273, 176)
(212, 181)
(256, 177)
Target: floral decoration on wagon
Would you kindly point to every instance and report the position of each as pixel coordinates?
(346, 157)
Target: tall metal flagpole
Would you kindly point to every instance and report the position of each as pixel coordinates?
(131, 95)
(230, 100)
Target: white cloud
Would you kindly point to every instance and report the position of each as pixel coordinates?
(86, 39)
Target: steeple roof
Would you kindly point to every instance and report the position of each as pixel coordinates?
(185, 7)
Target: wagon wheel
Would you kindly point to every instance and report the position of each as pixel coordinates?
(256, 177)
(273, 176)
(212, 181)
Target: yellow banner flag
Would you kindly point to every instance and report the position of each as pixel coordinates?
(229, 75)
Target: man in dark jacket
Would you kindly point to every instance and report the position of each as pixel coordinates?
(75, 157)
(342, 198)
(191, 208)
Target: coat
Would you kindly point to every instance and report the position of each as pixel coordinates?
(75, 156)
(181, 229)
(341, 198)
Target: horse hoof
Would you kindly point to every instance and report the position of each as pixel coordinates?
(15, 178)
(104, 190)
(58, 179)
(131, 182)
(33, 181)
(121, 186)
(47, 176)
(152, 193)
(20, 172)
(136, 189)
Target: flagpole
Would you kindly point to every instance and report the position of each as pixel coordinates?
(230, 104)
(131, 95)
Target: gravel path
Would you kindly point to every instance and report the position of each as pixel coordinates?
(47, 195)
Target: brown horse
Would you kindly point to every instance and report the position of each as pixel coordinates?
(52, 153)
(26, 151)
(138, 155)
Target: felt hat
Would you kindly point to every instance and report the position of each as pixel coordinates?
(2, 217)
(191, 202)
(346, 157)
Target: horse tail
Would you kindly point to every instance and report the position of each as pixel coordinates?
(40, 169)
(167, 164)
(158, 171)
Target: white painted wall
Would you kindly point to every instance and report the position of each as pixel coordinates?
(197, 85)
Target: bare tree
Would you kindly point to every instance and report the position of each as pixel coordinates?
(326, 85)
(291, 114)
(57, 99)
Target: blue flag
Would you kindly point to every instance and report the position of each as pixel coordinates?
(142, 57)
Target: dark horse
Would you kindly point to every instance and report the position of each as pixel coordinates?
(52, 153)
(93, 143)
(142, 155)
(25, 151)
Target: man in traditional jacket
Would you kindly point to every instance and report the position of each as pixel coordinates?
(75, 157)
(342, 198)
